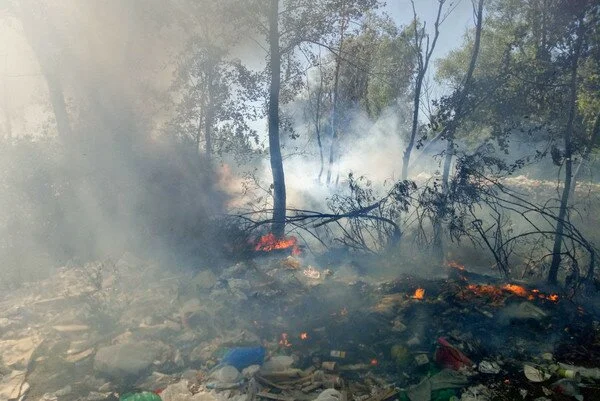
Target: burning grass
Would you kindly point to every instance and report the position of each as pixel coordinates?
(498, 293)
(269, 242)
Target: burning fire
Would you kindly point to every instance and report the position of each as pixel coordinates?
(419, 293)
(269, 242)
(520, 291)
(283, 340)
(517, 290)
(304, 336)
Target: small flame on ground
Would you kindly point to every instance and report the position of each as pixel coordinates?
(520, 291)
(419, 293)
(269, 242)
(304, 336)
(517, 290)
(374, 362)
(283, 341)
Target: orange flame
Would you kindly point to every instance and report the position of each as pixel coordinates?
(419, 293)
(304, 336)
(269, 242)
(520, 291)
(517, 290)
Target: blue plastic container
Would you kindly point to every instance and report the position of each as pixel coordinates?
(242, 357)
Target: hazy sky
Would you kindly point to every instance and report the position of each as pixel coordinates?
(451, 30)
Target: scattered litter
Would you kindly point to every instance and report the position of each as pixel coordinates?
(488, 367)
(534, 374)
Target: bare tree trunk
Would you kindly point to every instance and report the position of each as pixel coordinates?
(334, 103)
(450, 129)
(5, 107)
(564, 201)
(585, 155)
(278, 226)
(59, 106)
(49, 70)
(209, 114)
(318, 125)
(422, 65)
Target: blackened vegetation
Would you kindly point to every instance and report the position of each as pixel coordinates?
(359, 220)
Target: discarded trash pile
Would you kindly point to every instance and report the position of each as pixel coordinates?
(277, 329)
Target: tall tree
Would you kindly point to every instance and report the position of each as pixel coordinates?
(44, 39)
(279, 195)
(449, 130)
(423, 49)
(568, 151)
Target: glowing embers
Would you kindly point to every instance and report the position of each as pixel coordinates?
(269, 242)
(498, 293)
(419, 293)
(304, 336)
(517, 290)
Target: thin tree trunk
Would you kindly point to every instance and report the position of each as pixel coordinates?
(318, 126)
(415, 125)
(278, 226)
(5, 107)
(209, 115)
(336, 79)
(564, 201)
(31, 26)
(423, 64)
(59, 106)
(585, 155)
(451, 129)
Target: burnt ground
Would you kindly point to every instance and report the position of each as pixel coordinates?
(55, 334)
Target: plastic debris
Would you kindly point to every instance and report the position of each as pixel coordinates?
(534, 374)
(278, 363)
(143, 396)
(448, 356)
(225, 374)
(488, 367)
(337, 354)
(329, 394)
(242, 357)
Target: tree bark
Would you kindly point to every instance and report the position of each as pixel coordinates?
(279, 201)
(31, 23)
(5, 103)
(450, 129)
(585, 155)
(334, 103)
(318, 125)
(209, 114)
(564, 201)
(422, 65)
